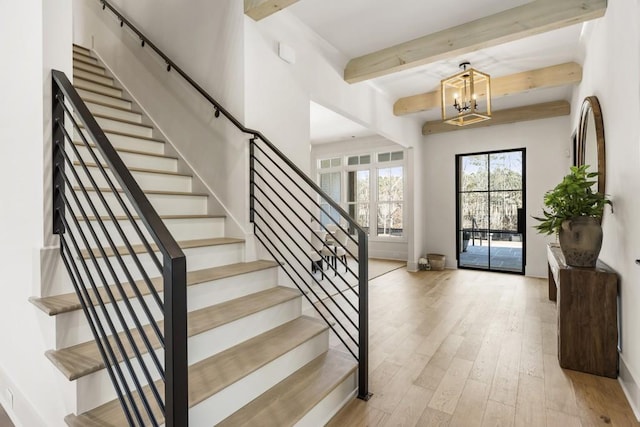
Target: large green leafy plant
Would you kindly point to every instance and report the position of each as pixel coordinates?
(571, 198)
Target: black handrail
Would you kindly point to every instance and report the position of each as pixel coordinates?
(174, 408)
(362, 240)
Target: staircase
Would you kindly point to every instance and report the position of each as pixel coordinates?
(254, 359)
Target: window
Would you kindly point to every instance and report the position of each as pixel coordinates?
(370, 186)
(390, 201)
(330, 184)
(358, 199)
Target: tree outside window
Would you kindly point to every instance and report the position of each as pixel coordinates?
(390, 201)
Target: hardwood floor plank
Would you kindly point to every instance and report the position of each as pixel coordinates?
(504, 388)
(557, 387)
(410, 410)
(446, 396)
(504, 327)
(471, 405)
(558, 419)
(530, 406)
(498, 415)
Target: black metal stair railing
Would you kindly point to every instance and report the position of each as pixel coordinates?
(350, 318)
(103, 273)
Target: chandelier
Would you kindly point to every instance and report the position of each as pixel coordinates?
(466, 97)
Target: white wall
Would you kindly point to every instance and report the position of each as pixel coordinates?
(611, 72)
(36, 37)
(278, 93)
(547, 144)
(206, 41)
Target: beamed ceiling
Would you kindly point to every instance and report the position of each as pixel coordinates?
(531, 49)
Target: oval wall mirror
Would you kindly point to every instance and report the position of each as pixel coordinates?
(590, 140)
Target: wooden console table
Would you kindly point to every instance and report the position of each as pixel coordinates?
(587, 315)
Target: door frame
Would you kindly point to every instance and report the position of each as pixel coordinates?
(524, 208)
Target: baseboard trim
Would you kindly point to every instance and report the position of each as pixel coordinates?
(22, 413)
(629, 387)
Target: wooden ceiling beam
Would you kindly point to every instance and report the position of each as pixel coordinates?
(503, 117)
(553, 76)
(260, 9)
(527, 20)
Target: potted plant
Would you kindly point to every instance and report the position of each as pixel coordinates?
(574, 211)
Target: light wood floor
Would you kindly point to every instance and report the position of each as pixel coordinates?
(466, 348)
(4, 418)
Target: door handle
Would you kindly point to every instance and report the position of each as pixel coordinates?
(521, 221)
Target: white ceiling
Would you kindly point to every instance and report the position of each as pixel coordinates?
(358, 27)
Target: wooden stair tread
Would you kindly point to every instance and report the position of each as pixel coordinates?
(83, 359)
(135, 217)
(127, 150)
(81, 48)
(81, 80)
(117, 119)
(213, 374)
(91, 72)
(64, 303)
(86, 59)
(81, 54)
(79, 63)
(117, 132)
(119, 98)
(288, 401)
(167, 193)
(184, 244)
(114, 107)
(143, 170)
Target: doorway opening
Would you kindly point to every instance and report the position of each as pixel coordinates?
(490, 206)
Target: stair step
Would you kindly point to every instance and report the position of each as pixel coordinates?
(143, 170)
(96, 69)
(164, 203)
(209, 376)
(81, 83)
(148, 179)
(125, 126)
(65, 303)
(186, 244)
(84, 359)
(131, 158)
(288, 402)
(128, 142)
(81, 49)
(94, 77)
(86, 57)
(103, 109)
(91, 95)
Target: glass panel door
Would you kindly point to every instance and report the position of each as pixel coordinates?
(490, 207)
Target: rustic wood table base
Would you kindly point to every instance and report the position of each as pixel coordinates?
(587, 315)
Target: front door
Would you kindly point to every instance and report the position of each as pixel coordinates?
(490, 210)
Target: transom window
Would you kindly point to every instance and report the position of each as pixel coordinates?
(370, 186)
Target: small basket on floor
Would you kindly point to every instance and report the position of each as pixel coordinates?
(436, 261)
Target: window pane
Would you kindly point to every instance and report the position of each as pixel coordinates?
(473, 173)
(336, 162)
(365, 160)
(330, 184)
(390, 184)
(504, 210)
(360, 213)
(474, 211)
(384, 157)
(352, 160)
(397, 155)
(325, 163)
(505, 171)
(358, 186)
(390, 219)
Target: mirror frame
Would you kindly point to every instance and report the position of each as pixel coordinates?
(591, 106)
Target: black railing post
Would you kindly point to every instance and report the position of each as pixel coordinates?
(363, 319)
(57, 166)
(252, 176)
(175, 329)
